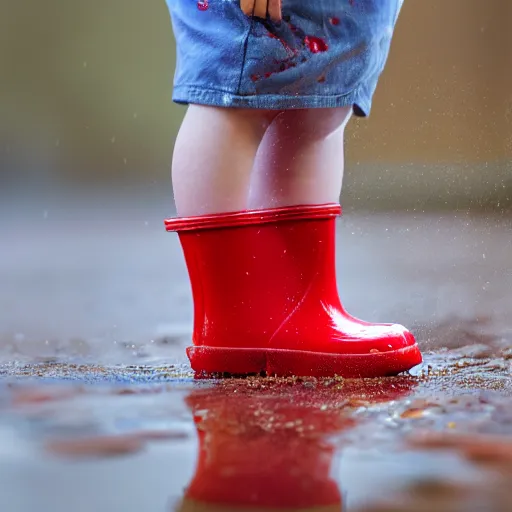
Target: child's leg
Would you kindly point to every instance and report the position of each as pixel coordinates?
(213, 158)
(300, 160)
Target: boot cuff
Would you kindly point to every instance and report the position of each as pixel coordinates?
(253, 217)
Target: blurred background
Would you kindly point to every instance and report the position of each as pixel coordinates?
(87, 128)
(85, 99)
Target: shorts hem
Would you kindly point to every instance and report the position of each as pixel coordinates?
(187, 94)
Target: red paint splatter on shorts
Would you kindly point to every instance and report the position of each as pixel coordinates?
(315, 44)
(334, 21)
(321, 79)
(203, 5)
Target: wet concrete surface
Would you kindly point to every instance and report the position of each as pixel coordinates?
(99, 410)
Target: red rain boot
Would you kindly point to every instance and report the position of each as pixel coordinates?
(265, 299)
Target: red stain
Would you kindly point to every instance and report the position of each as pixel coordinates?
(255, 78)
(335, 21)
(203, 5)
(321, 79)
(352, 2)
(316, 44)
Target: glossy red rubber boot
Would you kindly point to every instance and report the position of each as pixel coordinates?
(265, 299)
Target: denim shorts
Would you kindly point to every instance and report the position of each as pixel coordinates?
(325, 53)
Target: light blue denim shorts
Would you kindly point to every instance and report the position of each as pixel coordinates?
(325, 53)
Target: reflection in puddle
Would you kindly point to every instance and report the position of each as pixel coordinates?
(274, 448)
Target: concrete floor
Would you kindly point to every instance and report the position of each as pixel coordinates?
(100, 283)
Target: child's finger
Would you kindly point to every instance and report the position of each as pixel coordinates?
(260, 8)
(274, 10)
(247, 7)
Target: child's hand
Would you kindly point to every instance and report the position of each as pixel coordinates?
(262, 8)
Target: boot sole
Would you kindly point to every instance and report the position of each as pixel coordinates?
(212, 361)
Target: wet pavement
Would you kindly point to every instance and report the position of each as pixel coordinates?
(99, 410)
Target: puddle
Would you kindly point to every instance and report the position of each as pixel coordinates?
(137, 438)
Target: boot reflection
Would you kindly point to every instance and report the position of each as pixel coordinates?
(267, 446)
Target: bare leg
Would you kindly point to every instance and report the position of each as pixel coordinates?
(300, 160)
(213, 158)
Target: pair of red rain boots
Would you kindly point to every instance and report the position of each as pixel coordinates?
(266, 300)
